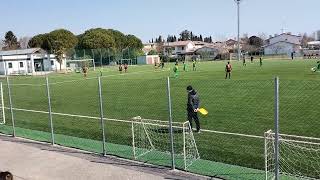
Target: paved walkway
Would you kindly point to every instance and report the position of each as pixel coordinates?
(29, 160)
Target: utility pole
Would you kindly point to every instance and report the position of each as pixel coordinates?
(238, 12)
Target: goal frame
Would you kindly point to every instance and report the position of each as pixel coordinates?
(270, 136)
(82, 60)
(179, 125)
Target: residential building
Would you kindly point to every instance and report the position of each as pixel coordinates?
(179, 48)
(284, 43)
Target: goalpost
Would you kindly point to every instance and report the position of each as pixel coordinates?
(299, 156)
(77, 64)
(125, 61)
(2, 113)
(150, 139)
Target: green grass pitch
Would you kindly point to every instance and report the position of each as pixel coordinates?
(244, 104)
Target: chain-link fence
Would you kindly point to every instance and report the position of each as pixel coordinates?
(130, 117)
(104, 57)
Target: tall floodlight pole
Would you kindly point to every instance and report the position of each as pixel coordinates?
(238, 12)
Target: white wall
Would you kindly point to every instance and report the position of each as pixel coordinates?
(187, 48)
(149, 59)
(2, 68)
(190, 47)
(281, 48)
(287, 38)
(15, 69)
(27, 61)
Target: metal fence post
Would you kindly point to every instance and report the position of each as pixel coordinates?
(2, 103)
(170, 124)
(11, 108)
(101, 118)
(265, 155)
(276, 127)
(50, 110)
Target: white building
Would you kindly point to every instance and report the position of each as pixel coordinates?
(148, 59)
(180, 48)
(283, 44)
(28, 62)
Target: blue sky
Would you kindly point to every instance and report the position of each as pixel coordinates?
(150, 18)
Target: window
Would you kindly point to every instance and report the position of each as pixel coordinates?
(52, 63)
(21, 64)
(182, 48)
(10, 65)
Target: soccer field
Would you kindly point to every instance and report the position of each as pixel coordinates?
(244, 104)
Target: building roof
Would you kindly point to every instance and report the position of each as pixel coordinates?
(280, 42)
(178, 43)
(21, 51)
(284, 34)
(314, 43)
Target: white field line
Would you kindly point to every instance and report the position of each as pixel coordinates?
(130, 121)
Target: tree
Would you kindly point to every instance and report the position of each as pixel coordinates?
(10, 42)
(97, 39)
(119, 38)
(1, 44)
(133, 42)
(244, 39)
(152, 52)
(185, 35)
(24, 41)
(305, 39)
(41, 41)
(200, 38)
(61, 40)
(317, 35)
(255, 41)
(263, 36)
(159, 39)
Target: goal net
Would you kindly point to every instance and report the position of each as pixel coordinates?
(151, 140)
(299, 157)
(125, 61)
(2, 113)
(77, 64)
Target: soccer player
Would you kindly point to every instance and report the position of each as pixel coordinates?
(292, 55)
(244, 61)
(260, 61)
(193, 107)
(176, 70)
(228, 70)
(85, 71)
(194, 68)
(125, 68)
(184, 66)
(251, 59)
(120, 68)
(162, 64)
(316, 68)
